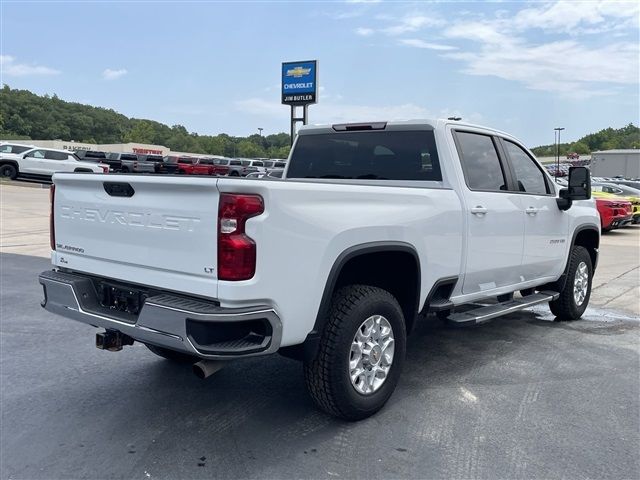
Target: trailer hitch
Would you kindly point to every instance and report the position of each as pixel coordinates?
(112, 340)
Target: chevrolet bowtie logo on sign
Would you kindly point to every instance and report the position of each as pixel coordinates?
(298, 71)
(300, 82)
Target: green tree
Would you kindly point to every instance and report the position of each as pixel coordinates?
(249, 149)
(142, 132)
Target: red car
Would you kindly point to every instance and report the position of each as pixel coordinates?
(196, 166)
(214, 168)
(613, 213)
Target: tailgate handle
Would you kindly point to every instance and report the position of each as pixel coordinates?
(118, 189)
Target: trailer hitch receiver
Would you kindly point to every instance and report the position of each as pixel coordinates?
(112, 340)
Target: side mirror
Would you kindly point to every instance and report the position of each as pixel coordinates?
(579, 183)
(579, 187)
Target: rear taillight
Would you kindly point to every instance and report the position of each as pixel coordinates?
(236, 250)
(105, 169)
(52, 231)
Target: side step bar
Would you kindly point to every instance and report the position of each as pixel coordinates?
(484, 314)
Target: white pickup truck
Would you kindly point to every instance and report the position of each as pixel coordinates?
(371, 225)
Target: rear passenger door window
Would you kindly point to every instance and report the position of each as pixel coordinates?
(49, 155)
(480, 162)
(36, 154)
(529, 177)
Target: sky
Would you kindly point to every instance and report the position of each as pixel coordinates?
(214, 67)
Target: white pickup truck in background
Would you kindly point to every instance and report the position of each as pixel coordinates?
(371, 225)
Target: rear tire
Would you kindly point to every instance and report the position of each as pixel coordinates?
(574, 297)
(8, 170)
(177, 357)
(362, 348)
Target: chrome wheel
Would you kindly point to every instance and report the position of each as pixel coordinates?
(581, 283)
(371, 354)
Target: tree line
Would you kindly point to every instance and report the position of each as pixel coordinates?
(25, 115)
(606, 139)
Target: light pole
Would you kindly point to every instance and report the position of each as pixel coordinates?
(558, 129)
(260, 130)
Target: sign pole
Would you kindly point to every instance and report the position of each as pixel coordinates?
(299, 89)
(293, 123)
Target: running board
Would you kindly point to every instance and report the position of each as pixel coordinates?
(484, 314)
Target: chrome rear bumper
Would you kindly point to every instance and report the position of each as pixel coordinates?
(186, 324)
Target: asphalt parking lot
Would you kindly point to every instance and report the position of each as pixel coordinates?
(521, 397)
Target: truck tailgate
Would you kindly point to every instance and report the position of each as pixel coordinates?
(153, 230)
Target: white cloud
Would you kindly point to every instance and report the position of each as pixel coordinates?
(571, 17)
(412, 23)
(416, 42)
(12, 69)
(365, 32)
(332, 109)
(337, 112)
(110, 74)
(510, 48)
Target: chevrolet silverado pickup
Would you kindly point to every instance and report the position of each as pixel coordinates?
(372, 226)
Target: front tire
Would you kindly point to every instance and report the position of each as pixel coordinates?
(360, 355)
(9, 171)
(574, 297)
(177, 357)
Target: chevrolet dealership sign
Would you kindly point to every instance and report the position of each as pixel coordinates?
(300, 82)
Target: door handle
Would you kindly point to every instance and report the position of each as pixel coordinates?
(531, 211)
(479, 210)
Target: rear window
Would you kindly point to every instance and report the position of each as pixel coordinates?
(280, 165)
(257, 164)
(236, 162)
(206, 161)
(95, 155)
(380, 155)
(13, 149)
(185, 160)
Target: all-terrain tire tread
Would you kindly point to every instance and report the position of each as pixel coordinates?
(318, 371)
(564, 307)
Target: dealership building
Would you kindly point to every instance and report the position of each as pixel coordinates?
(139, 148)
(612, 163)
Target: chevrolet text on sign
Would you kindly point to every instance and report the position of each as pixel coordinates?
(300, 82)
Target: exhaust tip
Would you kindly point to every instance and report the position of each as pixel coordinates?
(206, 368)
(198, 371)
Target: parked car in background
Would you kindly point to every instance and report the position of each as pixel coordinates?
(130, 163)
(614, 213)
(167, 166)
(99, 157)
(237, 167)
(158, 163)
(214, 168)
(259, 165)
(13, 150)
(274, 165)
(188, 165)
(623, 192)
(42, 163)
(267, 175)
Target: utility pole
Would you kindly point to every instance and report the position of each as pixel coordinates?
(558, 129)
(260, 131)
